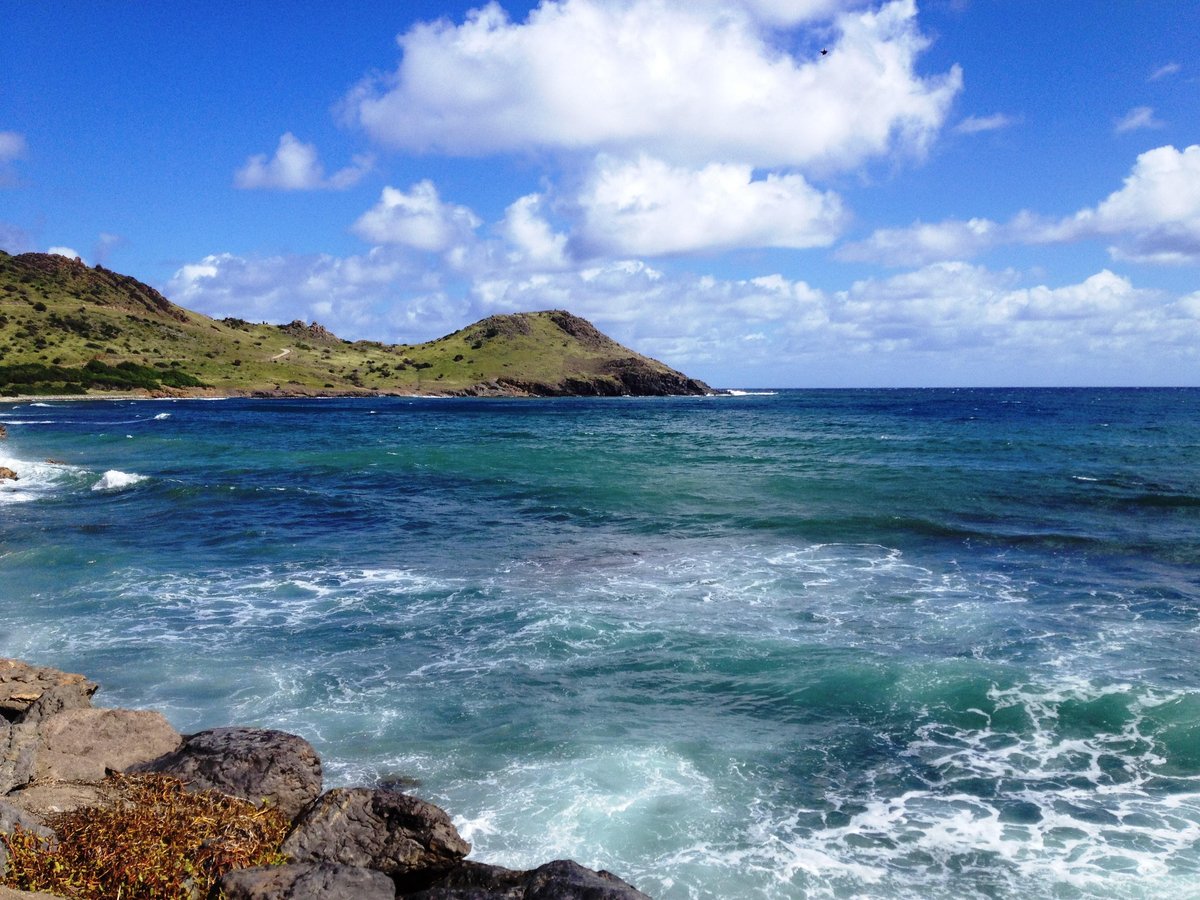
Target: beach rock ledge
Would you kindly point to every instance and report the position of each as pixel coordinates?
(58, 751)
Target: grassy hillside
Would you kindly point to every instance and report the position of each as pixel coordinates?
(67, 328)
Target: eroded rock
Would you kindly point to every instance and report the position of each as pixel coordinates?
(306, 881)
(83, 744)
(255, 764)
(411, 840)
(22, 686)
(562, 879)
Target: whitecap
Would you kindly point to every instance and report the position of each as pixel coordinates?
(162, 416)
(113, 480)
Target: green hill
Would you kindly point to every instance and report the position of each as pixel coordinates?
(66, 328)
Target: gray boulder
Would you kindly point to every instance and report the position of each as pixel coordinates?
(255, 764)
(306, 881)
(412, 841)
(558, 880)
(60, 797)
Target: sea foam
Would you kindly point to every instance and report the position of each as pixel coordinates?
(113, 480)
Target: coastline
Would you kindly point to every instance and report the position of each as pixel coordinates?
(68, 763)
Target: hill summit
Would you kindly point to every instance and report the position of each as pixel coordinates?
(67, 328)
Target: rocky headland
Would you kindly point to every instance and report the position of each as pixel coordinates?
(64, 762)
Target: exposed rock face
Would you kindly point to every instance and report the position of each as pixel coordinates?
(22, 685)
(82, 744)
(252, 763)
(7, 474)
(307, 881)
(406, 838)
(558, 880)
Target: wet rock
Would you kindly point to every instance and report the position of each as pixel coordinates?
(82, 744)
(558, 880)
(255, 764)
(306, 881)
(22, 685)
(412, 841)
(7, 474)
(564, 879)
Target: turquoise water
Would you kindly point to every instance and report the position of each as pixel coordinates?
(926, 644)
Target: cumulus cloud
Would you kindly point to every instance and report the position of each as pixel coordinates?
(1137, 119)
(359, 296)
(296, 166)
(68, 252)
(687, 83)
(648, 207)
(923, 243)
(531, 239)
(1153, 218)
(417, 219)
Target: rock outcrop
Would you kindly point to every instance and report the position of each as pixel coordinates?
(7, 474)
(402, 836)
(251, 763)
(56, 751)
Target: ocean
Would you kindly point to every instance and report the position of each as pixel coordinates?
(784, 644)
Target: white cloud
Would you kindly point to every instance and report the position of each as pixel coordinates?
(979, 124)
(14, 239)
(1153, 218)
(355, 296)
(923, 243)
(12, 146)
(648, 207)
(1137, 119)
(787, 13)
(1171, 68)
(417, 219)
(68, 252)
(531, 239)
(297, 167)
(687, 83)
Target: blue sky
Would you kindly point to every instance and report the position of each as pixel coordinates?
(959, 192)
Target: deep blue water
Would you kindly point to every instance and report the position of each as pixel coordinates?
(923, 644)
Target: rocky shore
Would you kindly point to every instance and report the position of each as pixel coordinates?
(59, 754)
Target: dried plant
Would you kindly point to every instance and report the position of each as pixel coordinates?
(154, 840)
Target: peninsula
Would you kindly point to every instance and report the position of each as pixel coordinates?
(70, 329)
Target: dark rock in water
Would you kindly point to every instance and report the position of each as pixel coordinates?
(7, 474)
(306, 881)
(13, 817)
(558, 880)
(3, 433)
(84, 744)
(255, 764)
(22, 685)
(412, 841)
(564, 879)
